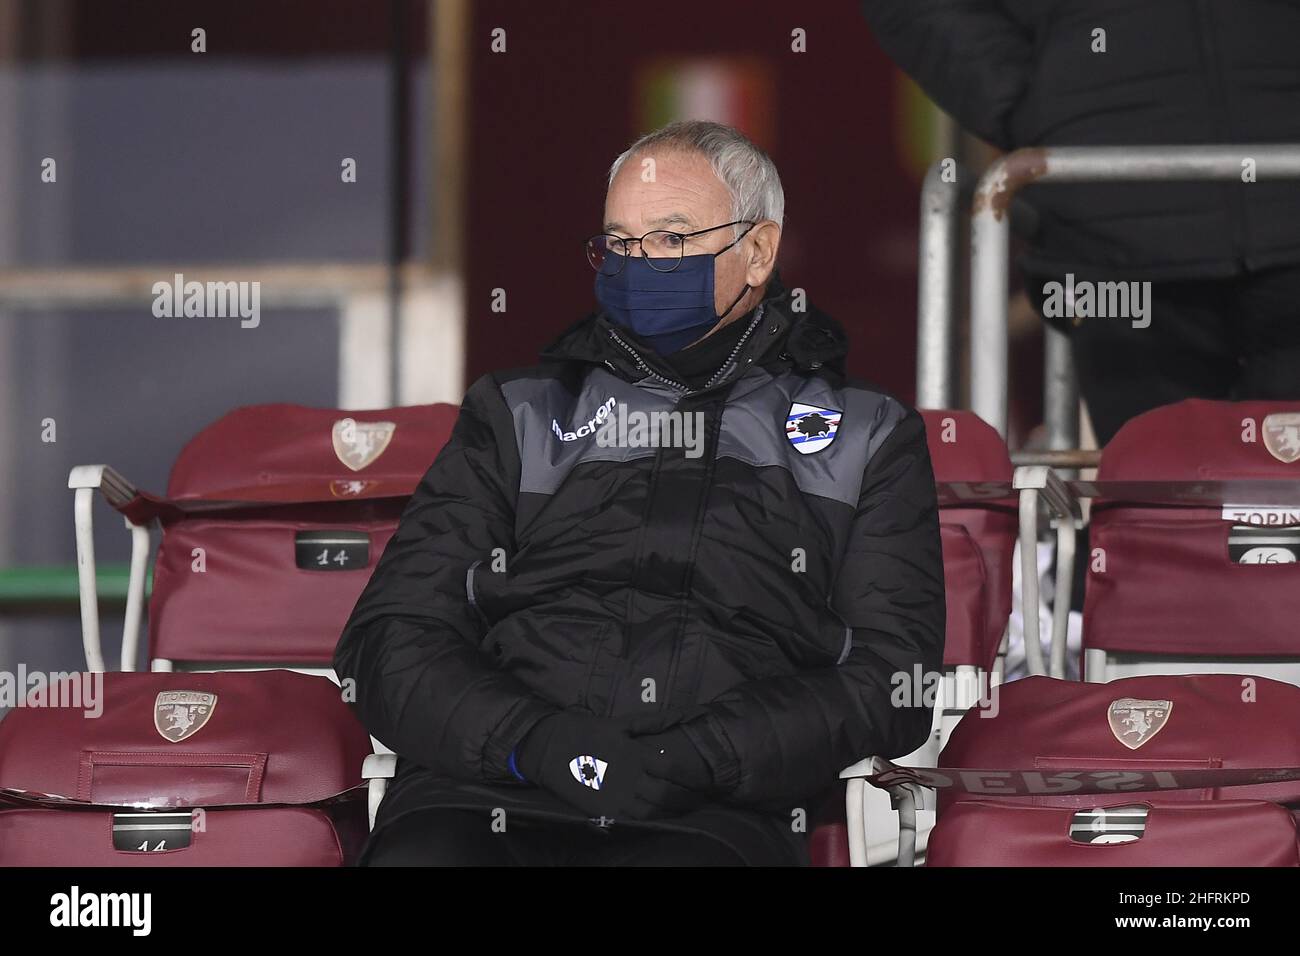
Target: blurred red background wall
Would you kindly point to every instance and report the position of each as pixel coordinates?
(547, 117)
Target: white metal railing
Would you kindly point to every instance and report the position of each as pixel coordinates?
(990, 242)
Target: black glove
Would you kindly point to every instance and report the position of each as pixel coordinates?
(594, 764)
(676, 759)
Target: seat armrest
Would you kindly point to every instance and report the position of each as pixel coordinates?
(907, 798)
(116, 489)
(1060, 497)
(379, 767)
(83, 480)
(1037, 483)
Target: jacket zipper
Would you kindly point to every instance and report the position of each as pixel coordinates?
(640, 363)
(758, 318)
(719, 374)
(674, 660)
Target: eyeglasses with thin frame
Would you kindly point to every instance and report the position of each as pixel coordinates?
(662, 249)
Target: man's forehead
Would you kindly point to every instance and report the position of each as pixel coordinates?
(674, 219)
(684, 193)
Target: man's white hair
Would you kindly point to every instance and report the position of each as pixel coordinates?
(748, 173)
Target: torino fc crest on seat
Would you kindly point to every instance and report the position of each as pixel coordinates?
(1134, 722)
(588, 771)
(359, 443)
(809, 428)
(180, 714)
(1282, 436)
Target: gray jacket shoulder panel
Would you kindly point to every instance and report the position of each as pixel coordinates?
(556, 429)
(760, 428)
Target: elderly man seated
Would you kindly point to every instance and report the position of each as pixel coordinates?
(655, 592)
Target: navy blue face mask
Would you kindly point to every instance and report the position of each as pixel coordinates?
(670, 310)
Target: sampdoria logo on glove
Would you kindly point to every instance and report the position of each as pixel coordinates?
(588, 771)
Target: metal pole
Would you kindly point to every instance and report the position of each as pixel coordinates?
(1066, 543)
(398, 182)
(452, 26)
(1060, 392)
(1029, 605)
(936, 304)
(990, 227)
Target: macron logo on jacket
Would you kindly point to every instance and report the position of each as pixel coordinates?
(588, 429)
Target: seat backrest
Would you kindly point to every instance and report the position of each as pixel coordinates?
(978, 534)
(1173, 579)
(292, 454)
(281, 513)
(1200, 440)
(1186, 722)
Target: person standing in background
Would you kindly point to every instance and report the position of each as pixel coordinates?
(1223, 259)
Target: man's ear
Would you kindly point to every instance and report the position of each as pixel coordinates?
(765, 239)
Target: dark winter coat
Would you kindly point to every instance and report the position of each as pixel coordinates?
(767, 596)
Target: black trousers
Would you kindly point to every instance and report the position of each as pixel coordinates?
(1228, 339)
(467, 838)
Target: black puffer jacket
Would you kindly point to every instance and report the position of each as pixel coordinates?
(1023, 73)
(765, 596)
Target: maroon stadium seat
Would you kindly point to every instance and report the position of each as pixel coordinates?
(266, 754)
(1170, 723)
(290, 508)
(977, 525)
(1192, 568)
